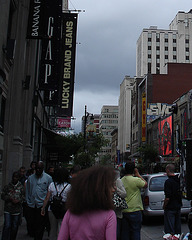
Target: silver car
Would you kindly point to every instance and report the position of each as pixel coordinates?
(153, 196)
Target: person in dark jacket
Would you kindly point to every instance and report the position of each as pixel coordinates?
(13, 195)
(173, 202)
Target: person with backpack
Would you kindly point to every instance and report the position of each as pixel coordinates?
(57, 197)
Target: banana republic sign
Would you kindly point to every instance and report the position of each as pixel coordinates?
(40, 12)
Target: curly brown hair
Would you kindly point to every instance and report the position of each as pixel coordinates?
(91, 190)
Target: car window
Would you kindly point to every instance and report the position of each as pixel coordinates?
(157, 183)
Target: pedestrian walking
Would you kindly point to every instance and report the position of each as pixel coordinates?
(13, 195)
(90, 212)
(173, 202)
(59, 186)
(132, 216)
(36, 190)
(122, 193)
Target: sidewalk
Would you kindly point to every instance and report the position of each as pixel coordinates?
(22, 232)
(155, 232)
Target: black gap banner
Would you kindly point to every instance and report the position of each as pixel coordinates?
(69, 27)
(51, 49)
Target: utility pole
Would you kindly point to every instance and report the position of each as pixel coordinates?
(85, 121)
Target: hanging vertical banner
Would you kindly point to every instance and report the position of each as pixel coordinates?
(36, 28)
(40, 14)
(51, 48)
(68, 64)
(143, 117)
(165, 136)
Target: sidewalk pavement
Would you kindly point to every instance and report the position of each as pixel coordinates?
(22, 232)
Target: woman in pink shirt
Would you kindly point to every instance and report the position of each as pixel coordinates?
(90, 212)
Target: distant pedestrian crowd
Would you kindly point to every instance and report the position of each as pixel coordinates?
(100, 202)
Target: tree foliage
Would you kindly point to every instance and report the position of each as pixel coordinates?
(83, 149)
(149, 153)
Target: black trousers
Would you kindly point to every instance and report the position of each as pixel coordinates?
(36, 223)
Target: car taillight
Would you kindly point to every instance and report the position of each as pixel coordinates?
(146, 201)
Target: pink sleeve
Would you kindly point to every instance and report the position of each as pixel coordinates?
(64, 230)
(111, 227)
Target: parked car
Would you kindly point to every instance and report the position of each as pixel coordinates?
(153, 196)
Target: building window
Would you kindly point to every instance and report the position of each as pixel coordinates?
(166, 48)
(174, 40)
(174, 57)
(149, 47)
(187, 49)
(157, 47)
(158, 56)
(149, 55)
(186, 40)
(166, 39)
(174, 49)
(149, 67)
(149, 39)
(187, 57)
(166, 56)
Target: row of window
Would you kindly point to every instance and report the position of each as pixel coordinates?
(166, 49)
(109, 121)
(166, 57)
(110, 110)
(109, 115)
(166, 40)
(158, 56)
(108, 127)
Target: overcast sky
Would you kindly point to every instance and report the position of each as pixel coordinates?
(106, 46)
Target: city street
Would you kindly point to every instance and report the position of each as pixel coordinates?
(152, 230)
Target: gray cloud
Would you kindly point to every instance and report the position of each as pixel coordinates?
(107, 33)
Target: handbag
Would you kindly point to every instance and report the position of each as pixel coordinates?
(119, 202)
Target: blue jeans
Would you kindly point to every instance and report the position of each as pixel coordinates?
(10, 228)
(131, 226)
(119, 228)
(172, 221)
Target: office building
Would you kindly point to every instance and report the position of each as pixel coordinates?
(156, 47)
(108, 122)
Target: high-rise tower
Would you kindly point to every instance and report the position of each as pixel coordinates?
(156, 47)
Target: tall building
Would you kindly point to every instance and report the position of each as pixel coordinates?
(108, 122)
(124, 118)
(27, 111)
(156, 47)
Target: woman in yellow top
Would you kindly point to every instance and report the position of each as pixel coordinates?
(132, 216)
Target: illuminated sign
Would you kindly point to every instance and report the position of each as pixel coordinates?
(165, 136)
(64, 122)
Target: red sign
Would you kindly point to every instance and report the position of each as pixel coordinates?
(64, 122)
